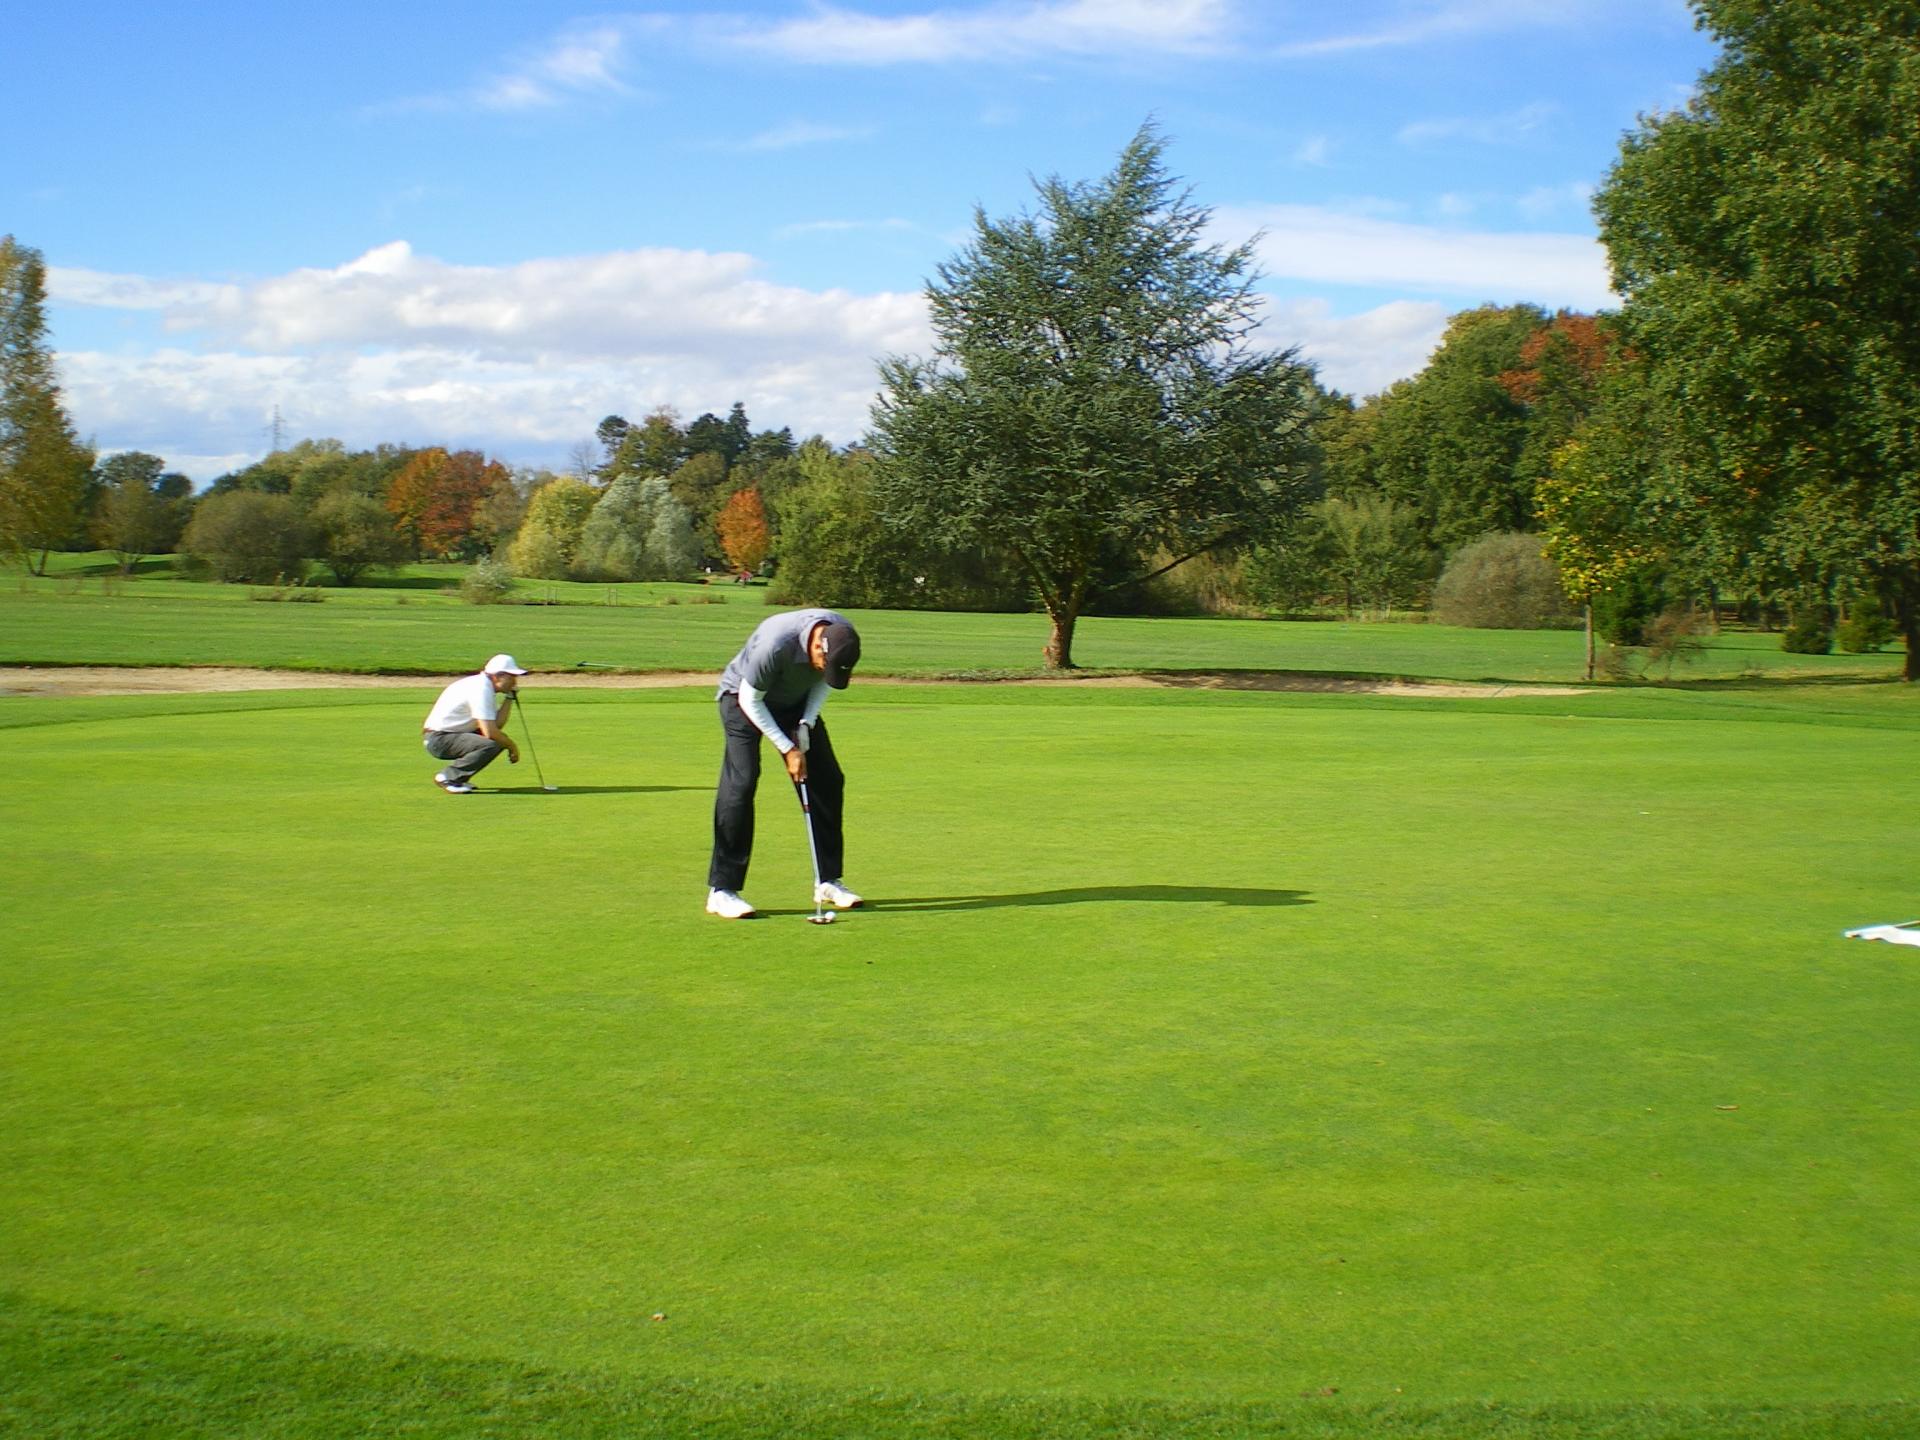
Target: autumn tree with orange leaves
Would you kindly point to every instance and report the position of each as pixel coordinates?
(743, 531)
(439, 502)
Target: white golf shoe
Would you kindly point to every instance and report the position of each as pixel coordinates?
(728, 906)
(832, 892)
(452, 787)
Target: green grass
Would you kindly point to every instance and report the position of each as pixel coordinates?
(1211, 1063)
(415, 623)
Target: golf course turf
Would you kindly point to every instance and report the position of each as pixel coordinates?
(1208, 1063)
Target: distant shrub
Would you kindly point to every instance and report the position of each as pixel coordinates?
(355, 535)
(1501, 582)
(1203, 585)
(1623, 613)
(1809, 631)
(250, 537)
(487, 582)
(1676, 636)
(1865, 631)
(293, 593)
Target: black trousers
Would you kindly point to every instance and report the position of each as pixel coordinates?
(740, 777)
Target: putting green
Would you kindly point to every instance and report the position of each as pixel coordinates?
(1202, 1048)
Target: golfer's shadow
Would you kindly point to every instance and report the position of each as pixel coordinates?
(592, 789)
(1105, 895)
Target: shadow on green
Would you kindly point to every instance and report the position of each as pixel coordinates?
(1104, 894)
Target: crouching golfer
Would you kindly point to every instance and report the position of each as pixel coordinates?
(465, 726)
(774, 688)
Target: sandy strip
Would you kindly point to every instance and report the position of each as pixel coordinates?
(187, 680)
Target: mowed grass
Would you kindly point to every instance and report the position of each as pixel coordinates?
(414, 623)
(1208, 1064)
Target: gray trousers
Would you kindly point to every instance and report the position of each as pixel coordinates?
(467, 753)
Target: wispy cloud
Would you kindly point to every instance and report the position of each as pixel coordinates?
(1316, 150)
(582, 61)
(585, 60)
(71, 286)
(1545, 201)
(795, 135)
(1307, 243)
(1482, 129)
(842, 227)
(1422, 23)
(1030, 29)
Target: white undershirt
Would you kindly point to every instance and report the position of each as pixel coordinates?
(753, 704)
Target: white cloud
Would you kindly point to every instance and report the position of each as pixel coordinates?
(524, 360)
(797, 134)
(608, 306)
(1544, 201)
(71, 286)
(1359, 354)
(592, 57)
(1306, 243)
(1316, 150)
(585, 59)
(521, 360)
(1483, 130)
(1418, 24)
(1003, 32)
(842, 227)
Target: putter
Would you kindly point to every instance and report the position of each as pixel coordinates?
(819, 916)
(527, 730)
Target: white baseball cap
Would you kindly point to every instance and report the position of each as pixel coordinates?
(503, 665)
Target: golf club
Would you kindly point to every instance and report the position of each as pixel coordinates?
(593, 665)
(527, 731)
(819, 916)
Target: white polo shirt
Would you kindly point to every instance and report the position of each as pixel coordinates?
(463, 704)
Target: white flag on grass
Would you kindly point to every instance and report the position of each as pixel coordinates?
(1907, 932)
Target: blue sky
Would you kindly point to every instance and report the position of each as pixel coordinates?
(490, 224)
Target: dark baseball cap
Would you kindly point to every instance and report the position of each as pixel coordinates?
(841, 644)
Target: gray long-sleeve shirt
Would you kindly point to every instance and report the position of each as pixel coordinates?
(774, 671)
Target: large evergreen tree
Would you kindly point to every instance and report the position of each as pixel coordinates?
(1094, 406)
(44, 469)
(1767, 242)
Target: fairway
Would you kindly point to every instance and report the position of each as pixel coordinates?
(1205, 1051)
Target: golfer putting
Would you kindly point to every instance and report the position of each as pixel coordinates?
(466, 727)
(774, 689)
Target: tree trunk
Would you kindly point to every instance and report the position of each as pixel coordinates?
(1059, 651)
(1589, 610)
(1907, 612)
(41, 568)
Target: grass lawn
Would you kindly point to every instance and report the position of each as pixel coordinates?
(1209, 1063)
(415, 623)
